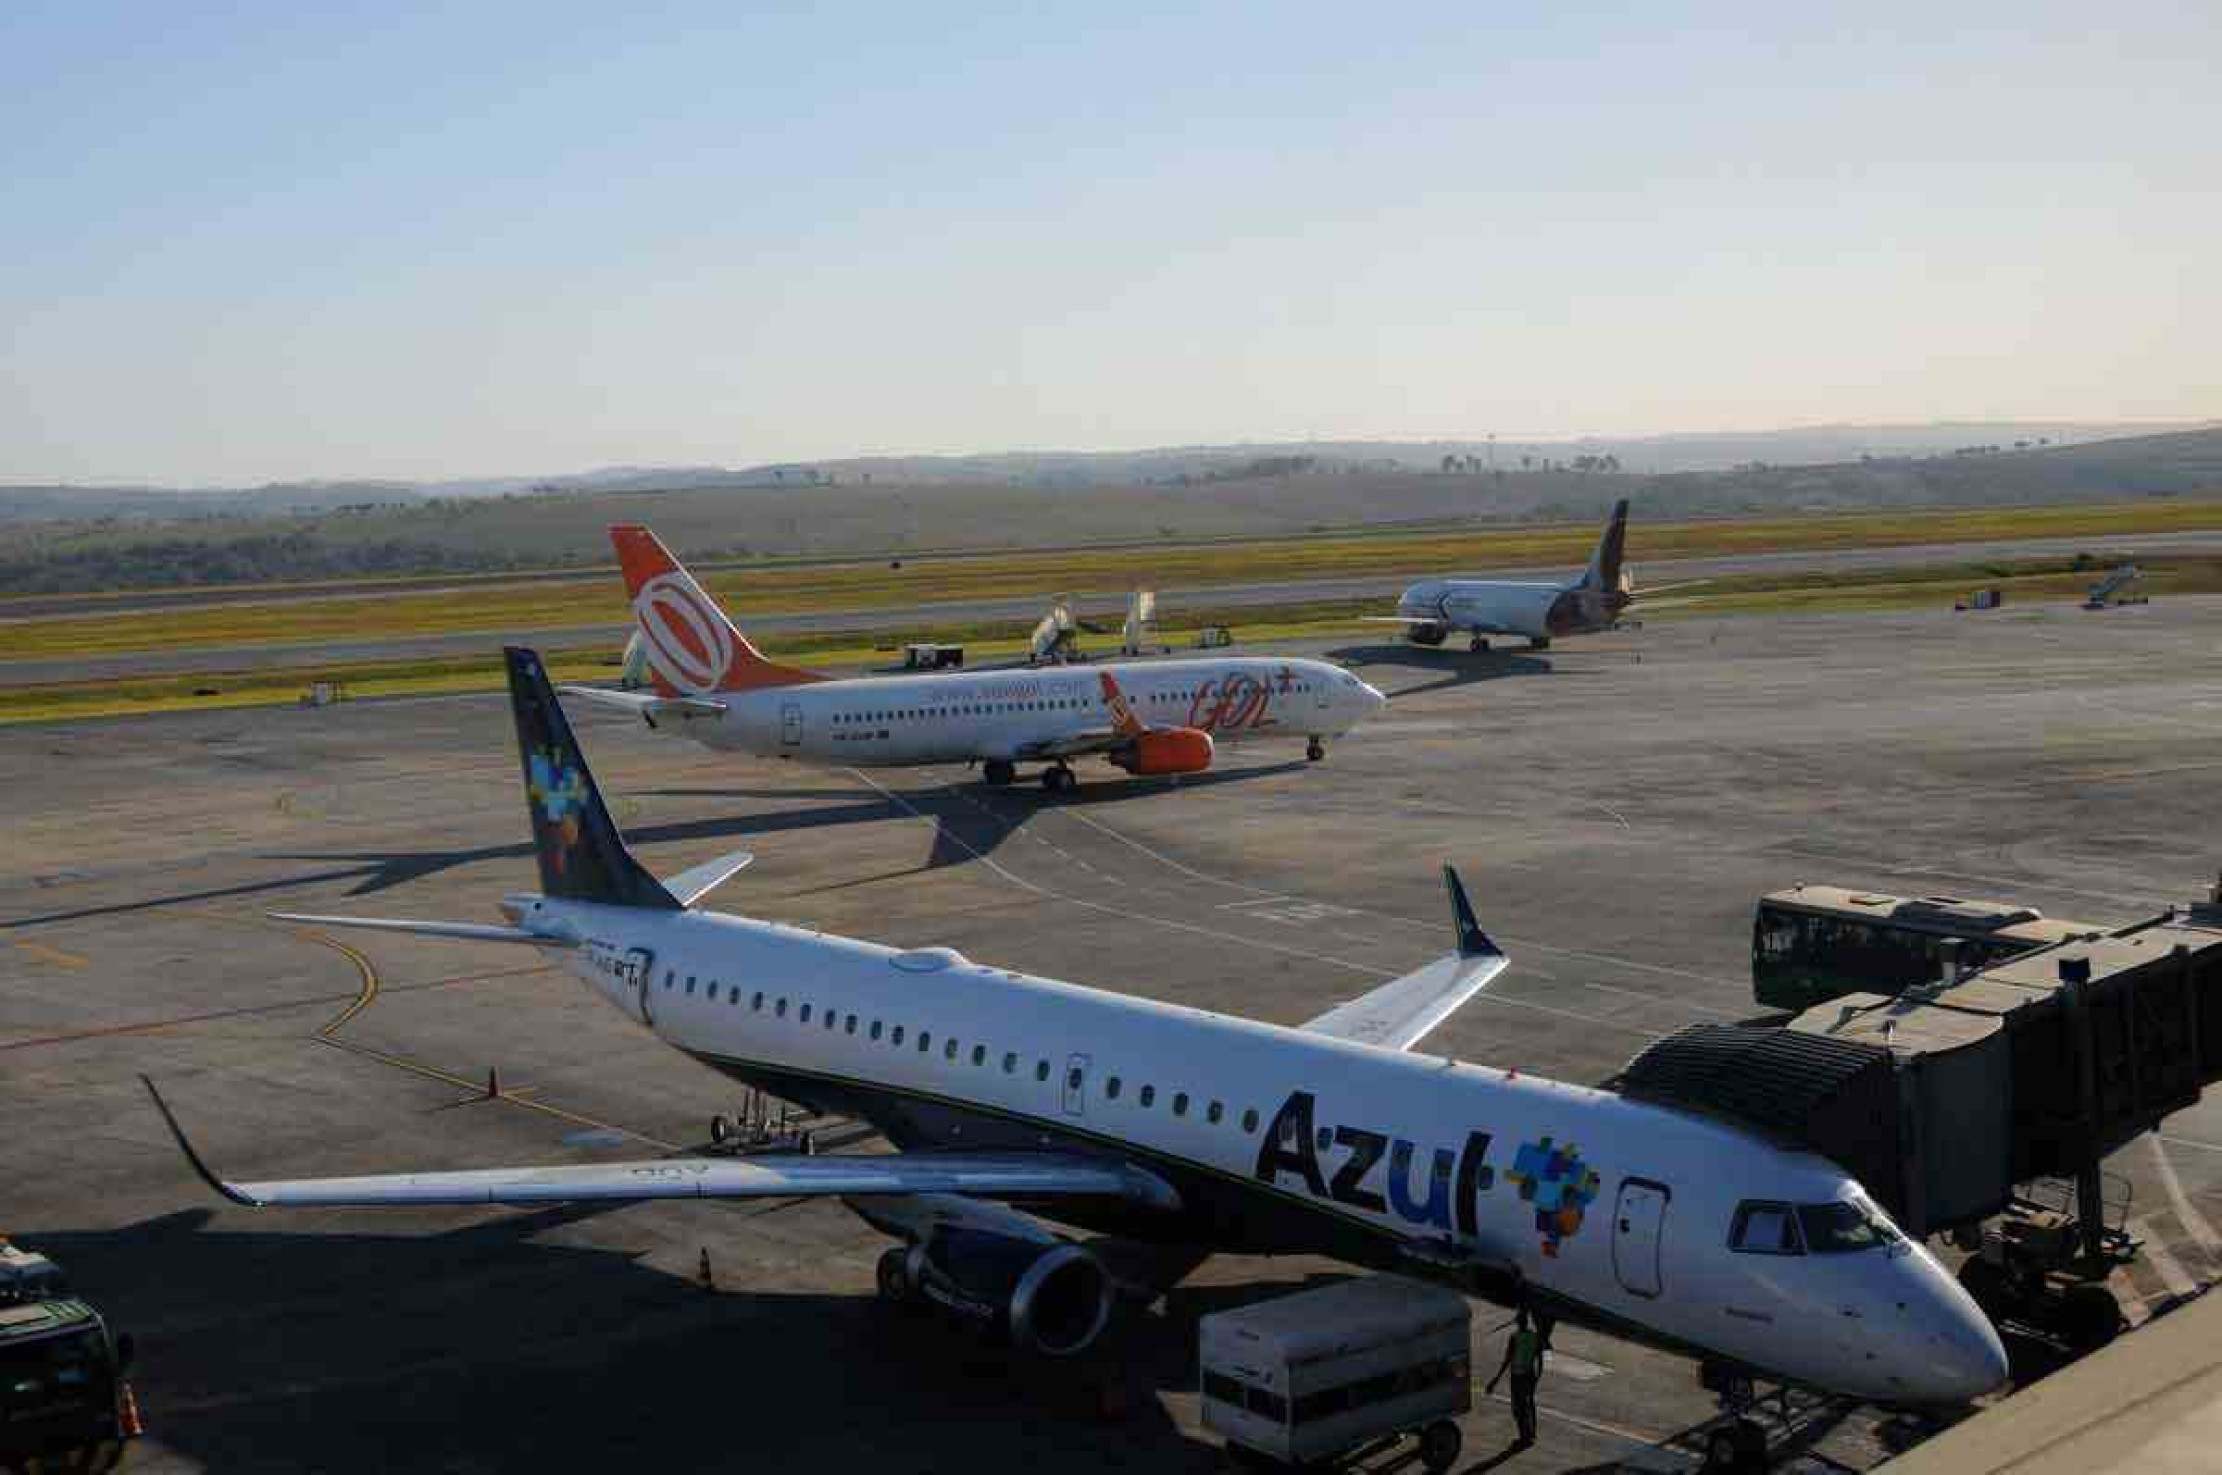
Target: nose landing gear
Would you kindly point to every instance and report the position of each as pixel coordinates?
(1315, 750)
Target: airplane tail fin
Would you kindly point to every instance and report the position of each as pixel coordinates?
(1604, 563)
(690, 646)
(582, 856)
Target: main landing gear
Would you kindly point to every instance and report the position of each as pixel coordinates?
(1539, 642)
(892, 1276)
(1478, 644)
(999, 771)
(1059, 779)
(1315, 750)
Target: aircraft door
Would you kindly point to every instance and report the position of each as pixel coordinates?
(790, 724)
(1639, 1227)
(1076, 1085)
(638, 968)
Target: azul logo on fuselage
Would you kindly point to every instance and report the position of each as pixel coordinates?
(1439, 1192)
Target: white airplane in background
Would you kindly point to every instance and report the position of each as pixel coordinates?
(713, 685)
(1012, 1099)
(1434, 609)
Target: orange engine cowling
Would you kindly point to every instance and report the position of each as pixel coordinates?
(1165, 750)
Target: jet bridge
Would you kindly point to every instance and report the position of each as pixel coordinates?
(1942, 1098)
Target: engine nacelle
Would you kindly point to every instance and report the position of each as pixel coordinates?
(1165, 750)
(1052, 1302)
(1425, 634)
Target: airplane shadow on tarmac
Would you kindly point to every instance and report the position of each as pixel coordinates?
(1451, 668)
(489, 1347)
(963, 831)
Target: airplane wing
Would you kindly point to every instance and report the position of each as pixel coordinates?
(1072, 745)
(467, 931)
(1400, 619)
(1022, 1175)
(645, 705)
(1404, 1011)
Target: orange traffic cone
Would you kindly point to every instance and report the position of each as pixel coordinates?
(128, 1422)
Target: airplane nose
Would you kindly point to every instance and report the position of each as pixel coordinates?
(1979, 1358)
(1375, 701)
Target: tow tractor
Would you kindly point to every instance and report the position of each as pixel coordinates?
(758, 1128)
(62, 1385)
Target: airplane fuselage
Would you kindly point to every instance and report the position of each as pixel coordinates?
(1005, 715)
(1503, 607)
(1277, 1140)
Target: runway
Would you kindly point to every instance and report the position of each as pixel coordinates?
(1617, 805)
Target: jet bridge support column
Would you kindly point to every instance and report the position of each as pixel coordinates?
(2090, 1207)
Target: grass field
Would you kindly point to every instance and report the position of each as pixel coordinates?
(872, 643)
(240, 619)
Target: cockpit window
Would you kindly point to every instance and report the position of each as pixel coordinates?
(1765, 1229)
(1842, 1227)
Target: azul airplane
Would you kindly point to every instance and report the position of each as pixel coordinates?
(713, 685)
(1012, 1099)
(1434, 609)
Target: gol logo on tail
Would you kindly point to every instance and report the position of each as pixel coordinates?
(687, 642)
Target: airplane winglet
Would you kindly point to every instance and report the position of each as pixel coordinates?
(192, 1157)
(1472, 941)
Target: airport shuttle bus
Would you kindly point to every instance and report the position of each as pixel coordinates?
(1810, 944)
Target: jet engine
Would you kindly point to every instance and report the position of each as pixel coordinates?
(1165, 750)
(1425, 634)
(1052, 1302)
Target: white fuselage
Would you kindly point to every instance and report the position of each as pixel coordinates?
(1617, 1211)
(1502, 607)
(965, 717)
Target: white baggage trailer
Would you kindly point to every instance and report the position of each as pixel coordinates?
(1329, 1374)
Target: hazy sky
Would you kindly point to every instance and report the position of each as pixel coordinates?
(257, 242)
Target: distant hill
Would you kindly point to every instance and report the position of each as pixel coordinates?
(1257, 493)
(1171, 465)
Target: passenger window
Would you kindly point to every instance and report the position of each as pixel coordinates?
(833, 1017)
(850, 1027)
(925, 1040)
(979, 1054)
(805, 1015)
(1149, 1094)
(757, 1003)
(1213, 1112)
(1180, 1103)
(667, 978)
(780, 1009)
(1110, 1088)
(1041, 1070)
(949, 1050)
(875, 1029)
(1073, 1078)
(690, 983)
(1250, 1120)
(897, 1037)
(1010, 1061)
(1765, 1229)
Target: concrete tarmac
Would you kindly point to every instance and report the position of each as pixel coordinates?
(1616, 805)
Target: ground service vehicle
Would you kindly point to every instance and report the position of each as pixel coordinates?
(1327, 1374)
(62, 1387)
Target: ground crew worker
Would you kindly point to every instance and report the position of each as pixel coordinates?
(1523, 1358)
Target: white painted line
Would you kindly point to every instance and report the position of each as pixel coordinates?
(2163, 1263)
(2189, 1142)
(2180, 1201)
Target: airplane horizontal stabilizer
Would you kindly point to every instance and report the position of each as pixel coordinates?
(645, 705)
(467, 931)
(696, 882)
(1021, 1175)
